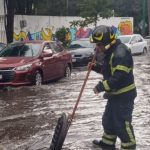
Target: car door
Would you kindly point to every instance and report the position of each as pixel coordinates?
(59, 55)
(140, 43)
(134, 45)
(49, 63)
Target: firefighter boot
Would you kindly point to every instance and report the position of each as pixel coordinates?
(104, 146)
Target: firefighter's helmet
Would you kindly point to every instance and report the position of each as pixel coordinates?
(103, 34)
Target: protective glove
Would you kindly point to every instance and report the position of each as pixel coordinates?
(106, 95)
(90, 65)
(95, 91)
(99, 88)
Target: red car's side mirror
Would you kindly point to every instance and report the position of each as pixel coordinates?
(47, 53)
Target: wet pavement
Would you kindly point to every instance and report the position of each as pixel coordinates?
(28, 115)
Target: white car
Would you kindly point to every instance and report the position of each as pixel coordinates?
(135, 42)
(147, 38)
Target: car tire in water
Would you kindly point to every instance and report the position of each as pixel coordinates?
(38, 79)
(144, 50)
(67, 71)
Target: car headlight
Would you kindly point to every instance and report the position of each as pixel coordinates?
(24, 67)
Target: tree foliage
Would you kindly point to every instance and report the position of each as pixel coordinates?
(62, 35)
(131, 8)
(93, 9)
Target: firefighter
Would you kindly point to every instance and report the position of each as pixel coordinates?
(119, 87)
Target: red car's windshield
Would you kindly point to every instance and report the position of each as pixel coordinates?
(21, 50)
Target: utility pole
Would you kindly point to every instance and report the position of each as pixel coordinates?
(143, 25)
(67, 6)
(148, 7)
(9, 19)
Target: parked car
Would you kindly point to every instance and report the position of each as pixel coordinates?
(147, 38)
(2, 45)
(82, 51)
(26, 63)
(135, 43)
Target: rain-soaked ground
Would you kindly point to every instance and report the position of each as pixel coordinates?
(28, 115)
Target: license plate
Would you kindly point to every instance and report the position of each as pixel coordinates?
(1, 77)
(73, 60)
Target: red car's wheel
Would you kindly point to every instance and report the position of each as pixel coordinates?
(67, 71)
(38, 79)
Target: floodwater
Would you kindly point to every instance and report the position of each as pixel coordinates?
(28, 115)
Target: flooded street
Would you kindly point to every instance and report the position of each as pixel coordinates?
(28, 115)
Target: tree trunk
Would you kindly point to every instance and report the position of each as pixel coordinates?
(148, 6)
(9, 19)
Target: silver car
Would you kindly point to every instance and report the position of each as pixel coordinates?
(135, 42)
(82, 51)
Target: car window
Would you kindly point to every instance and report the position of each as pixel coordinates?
(47, 46)
(25, 50)
(56, 47)
(22, 50)
(75, 46)
(61, 48)
(139, 39)
(81, 44)
(35, 48)
(124, 39)
(133, 40)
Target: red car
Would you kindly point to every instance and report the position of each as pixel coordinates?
(33, 63)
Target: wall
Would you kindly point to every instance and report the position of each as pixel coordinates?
(44, 27)
(2, 28)
(1, 7)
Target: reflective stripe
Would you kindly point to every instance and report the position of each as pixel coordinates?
(129, 131)
(112, 137)
(125, 145)
(123, 90)
(99, 38)
(106, 86)
(106, 141)
(109, 45)
(110, 62)
(122, 68)
(118, 67)
(112, 36)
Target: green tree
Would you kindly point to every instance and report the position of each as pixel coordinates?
(24, 7)
(91, 10)
(62, 35)
(131, 8)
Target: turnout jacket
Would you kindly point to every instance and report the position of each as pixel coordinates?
(117, 71)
